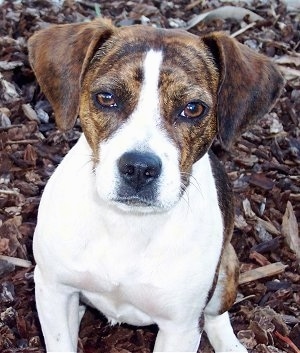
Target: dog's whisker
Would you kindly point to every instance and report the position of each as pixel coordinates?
(193, 181)
(89, 160)
(185, 196)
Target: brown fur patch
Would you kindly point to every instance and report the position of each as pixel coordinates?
(58, 56)
(187, 74)
(230, 269)
(99, 124)
(249, 85)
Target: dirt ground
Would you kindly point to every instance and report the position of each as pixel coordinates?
(263, 166)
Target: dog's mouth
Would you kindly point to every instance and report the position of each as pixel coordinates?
(139, 204)
(146, 200)
(136, 203)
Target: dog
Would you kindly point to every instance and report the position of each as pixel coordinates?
(136, 221)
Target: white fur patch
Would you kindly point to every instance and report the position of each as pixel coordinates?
(128, 265)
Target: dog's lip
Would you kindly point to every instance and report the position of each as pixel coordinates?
(135, 201)
(140, 205)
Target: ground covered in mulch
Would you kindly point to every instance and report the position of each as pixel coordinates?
(263, 166)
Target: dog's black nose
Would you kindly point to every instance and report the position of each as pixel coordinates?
(139, 168)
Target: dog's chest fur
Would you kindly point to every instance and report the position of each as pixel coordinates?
(126, 265)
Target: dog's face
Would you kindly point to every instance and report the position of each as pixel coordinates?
(148, 110)
(150, 101)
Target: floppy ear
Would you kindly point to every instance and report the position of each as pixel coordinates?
(249, 85)
(59, 55)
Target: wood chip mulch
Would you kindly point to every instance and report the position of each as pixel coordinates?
(264, 167)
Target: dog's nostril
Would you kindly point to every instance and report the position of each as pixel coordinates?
(127, 169)
(150, 173)
(139, 168)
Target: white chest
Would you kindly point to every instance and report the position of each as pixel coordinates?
(135, 268)
(134, 284)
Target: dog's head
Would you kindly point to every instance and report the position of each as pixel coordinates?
(150, 101)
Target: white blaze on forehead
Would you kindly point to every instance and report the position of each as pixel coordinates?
(147, 108)
(142, 131)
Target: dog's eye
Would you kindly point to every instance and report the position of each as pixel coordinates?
(106, 100)
(194, 110)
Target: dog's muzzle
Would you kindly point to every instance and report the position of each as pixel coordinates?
(139, 173)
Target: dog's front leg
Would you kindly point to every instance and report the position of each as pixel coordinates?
(177, 340)
(221, 335)
(58, 309)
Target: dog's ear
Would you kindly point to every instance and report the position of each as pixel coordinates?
(59, 55)
(249, 85)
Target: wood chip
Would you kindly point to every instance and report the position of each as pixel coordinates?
(268, 226)
(30, 112)
(16, 261)
(10, 65)
(290, 229)
(267, 245)
(261, 181)
(262, 272)
(224, 12)
(259, 258)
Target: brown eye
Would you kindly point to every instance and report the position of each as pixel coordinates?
(194, 110)
(106, 100)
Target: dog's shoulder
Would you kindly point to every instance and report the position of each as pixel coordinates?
(225, 195)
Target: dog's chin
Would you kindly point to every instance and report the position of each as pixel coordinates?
(140, 205)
